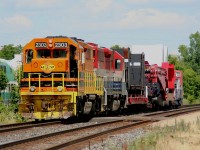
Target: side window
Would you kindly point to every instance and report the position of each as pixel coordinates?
(117, 64)
(39, 54)
(29, 55)
(56, 54)
(63, 54)
(59, 53)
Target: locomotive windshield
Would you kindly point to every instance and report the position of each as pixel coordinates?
(57, 53)
(44, 53)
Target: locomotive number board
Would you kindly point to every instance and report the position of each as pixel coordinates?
(40, 44)
(60, 45)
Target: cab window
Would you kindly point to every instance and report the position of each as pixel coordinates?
(117, 64)
(43, 53)
(59, 54)
(29, 55)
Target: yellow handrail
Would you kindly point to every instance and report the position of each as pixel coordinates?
(29, 80)
(53, 80)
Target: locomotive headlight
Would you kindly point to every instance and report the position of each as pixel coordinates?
(50, 45)
(50, 41)
(32, 88)
(59, 88)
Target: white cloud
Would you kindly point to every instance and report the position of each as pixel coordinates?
(177, 1)
(17, 22)
(97, 5)
(146, 19)
(153, 18)
(160, 1)
(38, 3)
(138, 1)
(143, 19)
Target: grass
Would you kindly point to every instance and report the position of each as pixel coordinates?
(179, 136)
(187, 102)
(7, 115)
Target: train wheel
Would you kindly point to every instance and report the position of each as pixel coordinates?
(170, 105)
(93, 109)
(79, 106)
(155, 105)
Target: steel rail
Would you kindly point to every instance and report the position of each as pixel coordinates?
(140, 123)
(182, 112)
(86, 138)
(26, 123)
(174, 110)
(26, 126)
(11, 144)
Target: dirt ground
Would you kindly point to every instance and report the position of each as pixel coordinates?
(181, 140)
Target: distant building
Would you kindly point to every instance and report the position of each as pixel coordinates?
(9, 67)
(16, 61)
(154, 54)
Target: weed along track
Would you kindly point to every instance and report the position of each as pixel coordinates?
(80, 137)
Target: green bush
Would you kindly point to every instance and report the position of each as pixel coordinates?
(8, 115)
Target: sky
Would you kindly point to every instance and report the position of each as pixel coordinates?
(105, 22)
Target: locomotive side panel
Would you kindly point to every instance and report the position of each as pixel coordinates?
(110, 65)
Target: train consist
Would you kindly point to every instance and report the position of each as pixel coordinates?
(64, 77)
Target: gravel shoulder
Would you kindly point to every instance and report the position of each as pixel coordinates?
(122, 141)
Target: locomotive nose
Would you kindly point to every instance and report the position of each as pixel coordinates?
(47, 67)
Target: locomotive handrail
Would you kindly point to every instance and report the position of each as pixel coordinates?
(39, 80)
(29, 80)
(53, 80)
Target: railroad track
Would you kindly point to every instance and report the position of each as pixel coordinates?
(183, 106)
(174, 112)
(56, 135)
(26, 125)
(80, 137)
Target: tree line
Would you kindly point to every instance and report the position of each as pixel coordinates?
(188, 61)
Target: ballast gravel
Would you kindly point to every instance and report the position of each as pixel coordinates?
(38, 131)
(119, 141)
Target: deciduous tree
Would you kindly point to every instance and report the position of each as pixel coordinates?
(3, 80)
(8, 51)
